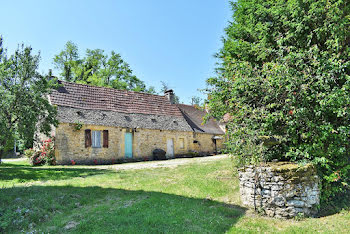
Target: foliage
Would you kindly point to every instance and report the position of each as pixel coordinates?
(151, 90)
(77, 126)
(67, 60)
(45, 155)
(9, 145)
(196, 101)
(97, 68)
(284, 73)
(24, 109)
(192, 154)
(165, 87)
(29, 153)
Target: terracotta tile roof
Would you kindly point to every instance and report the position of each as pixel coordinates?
(100, 98)
(194, 118)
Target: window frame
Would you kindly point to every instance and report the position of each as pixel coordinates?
(95, 135)
(182, 143)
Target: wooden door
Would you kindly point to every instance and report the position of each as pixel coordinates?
(128, 145)
(170, 148)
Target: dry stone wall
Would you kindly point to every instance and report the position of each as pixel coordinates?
(281, 190)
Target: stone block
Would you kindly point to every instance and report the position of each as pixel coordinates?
(270, 212)
(276, 187)
(279, 201)
(296, 203)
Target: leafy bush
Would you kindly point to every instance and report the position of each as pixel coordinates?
(192, 154)
(45, 154)
(77, 126)
(29, 153)
(285, 74)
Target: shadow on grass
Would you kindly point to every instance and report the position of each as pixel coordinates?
(335, 205)
(56, 209)
(23, 174)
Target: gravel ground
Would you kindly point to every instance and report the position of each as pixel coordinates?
(166, 163)
(145, 165)
(13, 159)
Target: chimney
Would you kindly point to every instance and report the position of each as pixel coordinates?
(49, 75)
(170, 95)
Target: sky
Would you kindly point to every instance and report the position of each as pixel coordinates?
(170, 41)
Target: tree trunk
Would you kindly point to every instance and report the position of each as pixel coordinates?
(1, 153)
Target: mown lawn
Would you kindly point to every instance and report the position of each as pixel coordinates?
(194, 198)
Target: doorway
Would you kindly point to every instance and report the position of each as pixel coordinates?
(128, 145)
(170, 148)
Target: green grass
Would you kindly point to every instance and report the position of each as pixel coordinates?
(194, 198)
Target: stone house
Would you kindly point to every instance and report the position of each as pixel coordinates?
(105, 125)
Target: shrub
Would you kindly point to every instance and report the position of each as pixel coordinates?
(193, 154)
(45, 154)
(29, 153)
(77, 126)
(285, 74)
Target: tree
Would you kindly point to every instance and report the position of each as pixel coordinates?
(196, 101)
(151, 90)
(24, 108)
(67, 60)
(284, 73)
(165, 87)
(97, 68)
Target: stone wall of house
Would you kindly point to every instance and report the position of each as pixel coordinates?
(40, 137)
(147, 140)
(281, 190)
(205, 143)
(70, 144)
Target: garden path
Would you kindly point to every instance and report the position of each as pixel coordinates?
(166, 163)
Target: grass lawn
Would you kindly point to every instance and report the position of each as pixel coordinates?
(193, 198)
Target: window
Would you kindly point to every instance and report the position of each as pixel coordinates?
(93, 138)
(182, 143)
(96, 139)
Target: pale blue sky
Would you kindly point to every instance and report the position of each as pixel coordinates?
(171, 41)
